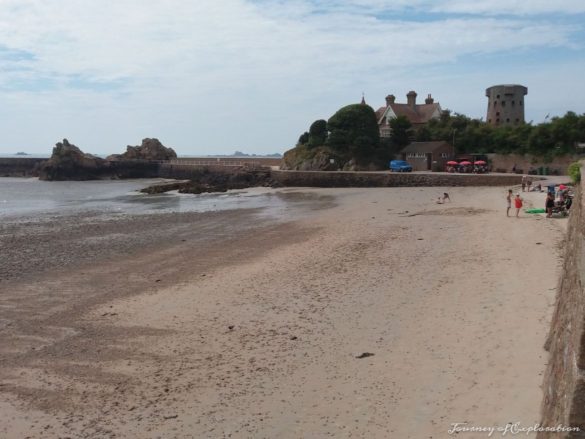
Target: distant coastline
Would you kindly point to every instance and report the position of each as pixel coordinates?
(187, 156)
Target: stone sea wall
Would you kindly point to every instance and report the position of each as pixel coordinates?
(386, 179)
(20, 167)
(564, 380)
(242, 175)
(105, 170)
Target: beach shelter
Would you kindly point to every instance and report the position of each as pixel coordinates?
(428, 156)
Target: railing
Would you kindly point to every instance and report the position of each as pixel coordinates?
(193, 163)
(213, 162)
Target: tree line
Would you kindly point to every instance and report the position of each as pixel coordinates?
(352, 133)
(559, 136)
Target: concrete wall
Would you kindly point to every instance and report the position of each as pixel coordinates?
(505, 163)
(564, 380)
(387, 179)
(130, 169)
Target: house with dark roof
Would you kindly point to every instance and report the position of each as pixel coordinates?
(428, 156)
(418, 114)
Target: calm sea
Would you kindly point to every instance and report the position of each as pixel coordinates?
(30, 198)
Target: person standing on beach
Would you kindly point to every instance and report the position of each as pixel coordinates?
(518, 204)
(523, 182)
(550, 203)
(509, 200)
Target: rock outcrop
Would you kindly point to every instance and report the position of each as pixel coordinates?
(302, 158)
(68, 162)
(151, 149)
(323, 158)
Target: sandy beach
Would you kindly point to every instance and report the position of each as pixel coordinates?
(366, 313)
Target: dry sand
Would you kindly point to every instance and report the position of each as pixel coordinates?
(260, 334)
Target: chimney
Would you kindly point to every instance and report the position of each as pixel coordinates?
(429, 99)
(390, 99)
(411, 99)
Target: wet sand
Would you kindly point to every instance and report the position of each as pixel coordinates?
(381, 315)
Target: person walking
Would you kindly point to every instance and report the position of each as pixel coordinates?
(518, 205)
(509, 200)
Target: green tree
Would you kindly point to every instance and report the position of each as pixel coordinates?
(353, 130)
(574, 172)
(317, 133)
(424, 134)
(303, 139)
(402, 133)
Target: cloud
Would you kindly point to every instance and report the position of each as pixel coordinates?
(476, 7)
(178, 39)
(509, 7)
(263, 69)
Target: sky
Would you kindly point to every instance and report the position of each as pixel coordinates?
(215, 76)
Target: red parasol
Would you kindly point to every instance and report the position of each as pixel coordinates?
(452, 163)
(465, 163)
(479, 162)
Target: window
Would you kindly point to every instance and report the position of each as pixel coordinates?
(497, 121)
(498, 97)
(507, 120)
(513, 103)
(444, 155)
(489, 121)
(517, 120)
(503, 103)
(520, 103)
(495, 103)
(498, 113)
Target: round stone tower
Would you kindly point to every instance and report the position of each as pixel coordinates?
(505, 104)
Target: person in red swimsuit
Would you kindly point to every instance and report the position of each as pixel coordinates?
(518, 204)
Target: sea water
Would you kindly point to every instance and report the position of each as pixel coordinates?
(30, 198)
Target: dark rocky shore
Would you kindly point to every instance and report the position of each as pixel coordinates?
(31, 248)
(218, 180)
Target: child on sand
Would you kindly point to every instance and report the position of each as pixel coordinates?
(444, 199)
(518, 204)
